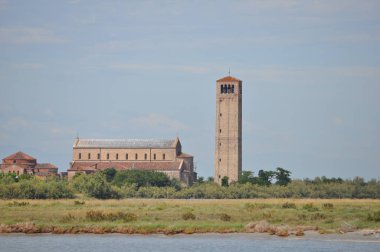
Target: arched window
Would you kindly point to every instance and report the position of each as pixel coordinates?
(126, 156)
(136, 156)
(233, 89)
(229, 88)
(117, 156)
(225, 89)
(89, 155)
(108, 156)
(80, 155)
(221, 89)
(163, 156)
(154, 156)
(145, 156)
(98, 155)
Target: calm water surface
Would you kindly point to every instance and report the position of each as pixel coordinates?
(209, 242)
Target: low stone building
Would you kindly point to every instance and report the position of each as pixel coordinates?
(91, 155)
(21, 163)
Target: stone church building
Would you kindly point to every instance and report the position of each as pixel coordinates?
(91, 155)
(20, 163)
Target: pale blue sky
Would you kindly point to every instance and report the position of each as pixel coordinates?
(147, 69)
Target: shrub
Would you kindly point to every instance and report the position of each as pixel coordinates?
(328, 206)
(77, 202)
(374, 217)
(188, 216)
(310, 207)
(18, 204)
(225, 217)
(289, 205)
(68, 218)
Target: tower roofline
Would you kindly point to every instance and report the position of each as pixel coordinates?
(228, 78)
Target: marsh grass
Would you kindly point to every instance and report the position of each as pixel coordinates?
(185, 216)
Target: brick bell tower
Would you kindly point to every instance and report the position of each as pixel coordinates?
(228, 137)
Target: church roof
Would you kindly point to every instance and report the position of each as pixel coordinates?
(228, 78)
(46, 166)
(19, 156)
(125, 143)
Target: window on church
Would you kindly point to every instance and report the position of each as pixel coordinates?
(108, 156)
(220, 130)
(136, 156)
(233, 89)
(117, 156)
(98, 155)
(145, 156)
(89, 155)
(154, 156)
(80, 156)
(229, 88)
(163, 156)
(126, 156)
(221, 89)
(220, 114)
(225, 89)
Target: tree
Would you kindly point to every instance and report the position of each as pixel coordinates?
(282, 176)
(110, 174)
(265, 177)
(247, 177)
(225, 181)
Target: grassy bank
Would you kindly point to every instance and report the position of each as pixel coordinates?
(142, 216)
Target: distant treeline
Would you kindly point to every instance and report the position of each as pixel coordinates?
(113, 184)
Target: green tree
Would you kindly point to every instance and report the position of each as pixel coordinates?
(282, 176)
(225, 181)
(247, 177)
(265, 177)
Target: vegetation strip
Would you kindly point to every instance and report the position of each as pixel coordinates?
(280, 217)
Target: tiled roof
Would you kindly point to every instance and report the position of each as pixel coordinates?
(228, 78)
(46, 166)
(124, 143)
(19, 156)
(153, 166)
(184, 155)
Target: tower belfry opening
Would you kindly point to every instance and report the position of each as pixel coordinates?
(228, 134)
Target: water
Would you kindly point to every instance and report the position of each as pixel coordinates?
(206, 243)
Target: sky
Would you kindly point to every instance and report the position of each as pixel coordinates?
(147, 69)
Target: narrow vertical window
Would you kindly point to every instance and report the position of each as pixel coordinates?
(108, 156)
(98, 155)
(126, 156)
(163, 156)
(80, 156)
(229, 88)
(233, 89)
(89, 156)
(145, 156)
(154, 156)
(220, 130)
(136, 156)
(117, 156)
(221, 89)
(225, 89)
(220, 114)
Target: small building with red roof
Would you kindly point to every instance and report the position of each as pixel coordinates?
(21, 163)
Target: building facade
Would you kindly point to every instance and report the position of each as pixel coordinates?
(21, 163)
(91, 155)
(228, 136)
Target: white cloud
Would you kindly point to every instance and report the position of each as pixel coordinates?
(29, 35)
(156, 120)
